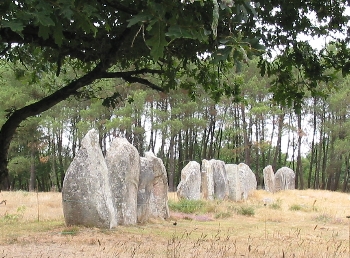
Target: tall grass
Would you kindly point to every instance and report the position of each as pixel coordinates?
(271, 230)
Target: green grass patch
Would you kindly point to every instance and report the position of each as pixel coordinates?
(188, 206)
(300, 207)
(246, 211)
(15, 217)
(276, 205)
(15, 229)
(70, 231)
(223, 215)
(295, 207)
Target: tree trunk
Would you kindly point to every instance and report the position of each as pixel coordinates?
(346, 176)
(171, 167)
(299, 169)
(319, 154)
(32, 178)
(313, 149)
(152, 139)
(269, 159)
(246, 143)
(211, 132)
(277, 156)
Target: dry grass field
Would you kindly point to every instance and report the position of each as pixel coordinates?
(305, 223)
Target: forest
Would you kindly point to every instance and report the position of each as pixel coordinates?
(238, 81)
(248, 128)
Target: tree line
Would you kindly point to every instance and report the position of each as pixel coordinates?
(178, 127)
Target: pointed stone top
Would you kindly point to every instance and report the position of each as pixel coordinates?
(149, 154)
(91, 138)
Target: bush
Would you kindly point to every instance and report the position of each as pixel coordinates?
(295, 207)
(246, 211)
(14, 217)
(303, 207)
(276, 205)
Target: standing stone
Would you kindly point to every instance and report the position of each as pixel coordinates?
(221, 190)
(284, 179)
(234, 183)
(159, 192)
(241, 181)
(269, 179)
(145, 190)
(190, 184)
(86, 193)
(207, 180)
(248, 180)
(123, 162)
(214, 180)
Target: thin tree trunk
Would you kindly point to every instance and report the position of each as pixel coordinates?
(277, 156)
(246, 144)
(152, 138)
(32, 170)
(312, 158)
(346, 176)
(299, 170)
(271, 139)
(171, 167)
(211, 132)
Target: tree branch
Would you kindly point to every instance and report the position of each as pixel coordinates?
(128, 76)
(130, 73)
(151, 85)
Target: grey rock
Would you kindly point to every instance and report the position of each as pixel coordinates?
(190, 184)
(221, 190)
(284, 179)
(214, 180)
(123, 163)
(248, 180)
(86, 195)
(159, 192)
(207, 185)
(145, 190)
(269, 179)
(241, 180)
(234, 183)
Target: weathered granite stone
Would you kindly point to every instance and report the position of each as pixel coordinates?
(207, 186)
(241, 181)
(123, 163)
(214, 180)
(159, 193)
(86, 194)
(234, 183)
(284, 179)
(221, 190)
(145, 190)
(248, 180)
(269, 179)
(190, 184)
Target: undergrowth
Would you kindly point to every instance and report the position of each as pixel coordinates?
(188, 206)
